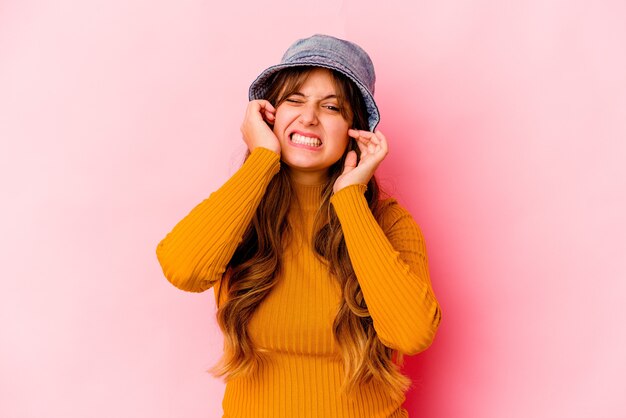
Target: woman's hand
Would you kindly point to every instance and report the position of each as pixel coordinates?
(255, 129)
(373, 146)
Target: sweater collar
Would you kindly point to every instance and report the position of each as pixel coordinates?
(309, 196)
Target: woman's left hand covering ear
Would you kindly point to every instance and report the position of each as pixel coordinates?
(374, 149)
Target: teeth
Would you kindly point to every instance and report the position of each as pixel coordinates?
(300, 139)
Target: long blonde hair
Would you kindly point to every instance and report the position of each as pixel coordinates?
(253, 269)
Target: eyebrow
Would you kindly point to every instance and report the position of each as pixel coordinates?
(330, 96)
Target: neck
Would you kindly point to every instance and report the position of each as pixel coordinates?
(308, 178)
(308, 197)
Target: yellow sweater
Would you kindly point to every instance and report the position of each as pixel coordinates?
(303, 373)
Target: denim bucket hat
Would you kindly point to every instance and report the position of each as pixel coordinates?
(328, 52)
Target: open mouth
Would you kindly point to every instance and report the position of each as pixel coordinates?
(297, 138)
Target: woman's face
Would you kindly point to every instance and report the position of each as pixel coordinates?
(312, 132)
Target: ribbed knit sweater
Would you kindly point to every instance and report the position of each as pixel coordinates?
(303, 370)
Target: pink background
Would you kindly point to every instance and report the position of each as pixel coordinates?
(507, 128)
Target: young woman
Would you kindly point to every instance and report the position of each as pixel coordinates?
(321, 286)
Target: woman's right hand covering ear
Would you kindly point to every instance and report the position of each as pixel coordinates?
(256, 130)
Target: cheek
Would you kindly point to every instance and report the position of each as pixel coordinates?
(341, 135)
(282, 120)
(340, 147)
(279, 126)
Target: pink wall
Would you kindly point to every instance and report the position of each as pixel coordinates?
(507, 127)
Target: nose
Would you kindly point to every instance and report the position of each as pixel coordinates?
(308, 114)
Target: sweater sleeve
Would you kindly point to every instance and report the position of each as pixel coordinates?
(195, 254)
(392, 269)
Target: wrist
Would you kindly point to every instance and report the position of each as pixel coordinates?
(360, 187)
(275, 150)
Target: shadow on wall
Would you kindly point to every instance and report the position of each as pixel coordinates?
(412, 174)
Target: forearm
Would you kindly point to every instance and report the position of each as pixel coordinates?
(197, 251)
(394, 282)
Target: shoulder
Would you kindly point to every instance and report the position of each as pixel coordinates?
(399, 226)
(390, 213)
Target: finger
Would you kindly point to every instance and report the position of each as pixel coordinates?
(369, 138)
(362, 147)
(383, 141)
(354, 133)
(262, 108)
(369, 144)
(264, 104)
(363, 140)
(359, 134)
(350, 162)
(269, 115)
(367, 134)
